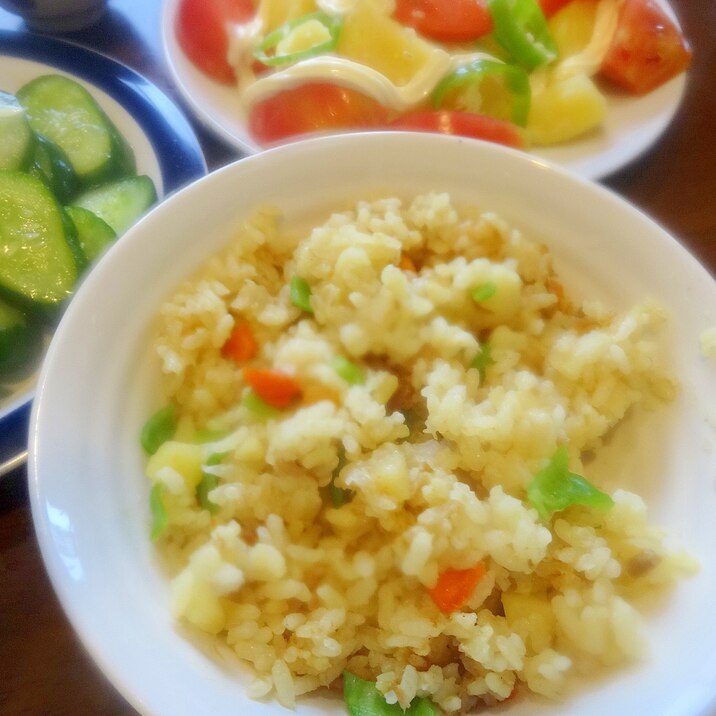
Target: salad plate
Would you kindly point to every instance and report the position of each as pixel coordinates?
(162, 139)
(633, 124)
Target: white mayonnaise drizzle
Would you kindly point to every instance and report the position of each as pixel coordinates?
(360, 77)
(242, 41)
(589, 60)
(364, 79)
(336, 7)
(357, 76)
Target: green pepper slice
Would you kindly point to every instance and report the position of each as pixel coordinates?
(483, 292)
(160, 520)
(301, 294)
(158, 429)
(363, 699)
(482, 360)
(339, 495)
(207, 483)
(515, 80)
(332, 24)
(349, 371)
(521, 29)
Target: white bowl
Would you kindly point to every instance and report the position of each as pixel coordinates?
(89, 494)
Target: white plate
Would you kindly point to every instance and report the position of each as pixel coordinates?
(163, 142)
(89, 495)
(632, 125)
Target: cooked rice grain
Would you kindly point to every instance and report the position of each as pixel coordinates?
(301, 589)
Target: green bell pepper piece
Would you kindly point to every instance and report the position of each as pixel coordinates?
(158, 429)
(482, 360)
(332, 24)
(349, 371)
(160, 520)
(515, 79)
(555, 488)
(521, 29)
(364, 699)
(301, 294)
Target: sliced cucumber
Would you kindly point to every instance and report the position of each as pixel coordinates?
(73, 241)
(125, 161)
(16, 137)
(120, 203)
(93, 234)
(51, 164)
(38, 263)
(19, 340)
(67, 114)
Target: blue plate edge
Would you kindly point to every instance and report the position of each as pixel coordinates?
(169, 132)
(157, 114)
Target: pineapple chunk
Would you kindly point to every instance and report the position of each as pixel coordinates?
(371, 37)
(565, 109)
(531, 616)
(274, 13)
(183, 458)
(572, 27)
(304, 37)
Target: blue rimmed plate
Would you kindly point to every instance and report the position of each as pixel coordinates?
(164, 144)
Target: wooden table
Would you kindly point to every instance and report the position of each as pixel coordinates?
(43, 668)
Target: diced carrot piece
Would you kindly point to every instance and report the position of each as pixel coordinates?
(272, 386)
(455, 587)
(241, 345)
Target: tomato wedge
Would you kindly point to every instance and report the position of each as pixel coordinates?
(464, 124)
(201, 33)
(313, 107)
(647, 50)
(445, 20)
